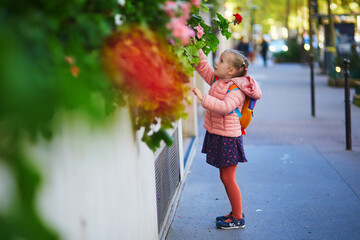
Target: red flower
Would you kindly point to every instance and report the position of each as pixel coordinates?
(238, 18)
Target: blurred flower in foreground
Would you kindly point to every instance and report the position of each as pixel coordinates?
(143, 65)
(196, 3)
(179, 13)
(180, 30)
(170, 8)
(177, 9)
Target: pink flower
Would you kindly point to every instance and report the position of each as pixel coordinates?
(177, 9)
(179, 13)
(200, 31)
(180, 30)
(171, 41)
(185, 9)
(196, 3)
(170, 8)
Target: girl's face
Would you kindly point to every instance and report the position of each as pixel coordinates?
(223, 67)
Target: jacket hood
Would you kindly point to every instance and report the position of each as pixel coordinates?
(249, 86)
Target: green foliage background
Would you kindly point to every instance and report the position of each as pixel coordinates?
(36, 82)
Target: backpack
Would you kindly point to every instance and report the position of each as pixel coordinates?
(246, 113)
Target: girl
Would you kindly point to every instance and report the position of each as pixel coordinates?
(223, 142)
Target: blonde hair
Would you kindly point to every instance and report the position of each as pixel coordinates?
(239, 62)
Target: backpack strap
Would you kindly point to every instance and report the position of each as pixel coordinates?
(252, 104)
(238, 112)
(232, 88)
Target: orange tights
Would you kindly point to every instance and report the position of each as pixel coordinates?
(227, 176)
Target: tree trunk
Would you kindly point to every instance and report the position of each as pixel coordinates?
(310, 28)
(287, 16)
(331, 28)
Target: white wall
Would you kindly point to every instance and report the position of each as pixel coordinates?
(99, 182)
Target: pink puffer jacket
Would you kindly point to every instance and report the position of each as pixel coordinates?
(218, 103)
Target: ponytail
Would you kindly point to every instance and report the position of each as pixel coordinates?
(244, 68)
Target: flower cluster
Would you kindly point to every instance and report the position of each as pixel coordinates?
(141, 64)
(180, 30)
(179, 13)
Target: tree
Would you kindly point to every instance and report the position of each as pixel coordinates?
(331, 28)
(269, 13)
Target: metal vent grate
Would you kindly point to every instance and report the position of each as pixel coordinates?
(167, 174)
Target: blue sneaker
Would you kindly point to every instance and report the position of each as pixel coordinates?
(223, 218)
(231, 225)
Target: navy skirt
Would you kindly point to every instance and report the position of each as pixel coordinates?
(223, 151)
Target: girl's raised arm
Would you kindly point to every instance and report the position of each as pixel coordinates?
(204, 69)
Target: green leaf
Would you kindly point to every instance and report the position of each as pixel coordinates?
(196, 16)
(204, 8)
(200, 44)
(221, 18)
(153, 141)
(206, 50)
(192, 53)
(195, 10)
(163, 135)
(223, 24)
(212, 41)
(217, 23)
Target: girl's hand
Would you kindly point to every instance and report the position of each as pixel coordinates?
(198, 94)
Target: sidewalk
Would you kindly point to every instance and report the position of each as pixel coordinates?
(299, 183)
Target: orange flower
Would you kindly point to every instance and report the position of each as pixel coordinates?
(143, 65)
(75, 71)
